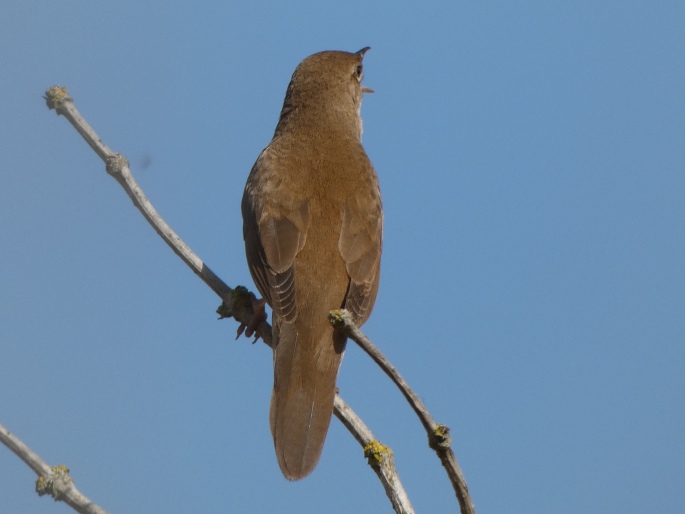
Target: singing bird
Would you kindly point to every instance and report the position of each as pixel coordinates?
(313, 230)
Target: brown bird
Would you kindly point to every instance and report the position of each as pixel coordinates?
(313, 230)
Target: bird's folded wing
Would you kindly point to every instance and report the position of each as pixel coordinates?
(274, 234)
(360, 245)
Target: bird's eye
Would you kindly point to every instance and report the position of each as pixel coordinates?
(359, 72)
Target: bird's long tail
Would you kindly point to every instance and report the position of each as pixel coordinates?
(306, 362)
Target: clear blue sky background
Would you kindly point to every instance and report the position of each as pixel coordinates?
(532, 161)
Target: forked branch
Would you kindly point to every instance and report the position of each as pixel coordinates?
(236, 302)
(54, 480)
(438, 435)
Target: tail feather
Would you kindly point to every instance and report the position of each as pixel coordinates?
(305, 371)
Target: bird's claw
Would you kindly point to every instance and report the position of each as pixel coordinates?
(259, 315)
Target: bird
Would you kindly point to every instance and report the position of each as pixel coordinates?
(313, 231)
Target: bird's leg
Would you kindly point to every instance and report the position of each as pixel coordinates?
(259, 315)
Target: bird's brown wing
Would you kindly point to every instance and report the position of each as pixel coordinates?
(274, 234)
(360, 245)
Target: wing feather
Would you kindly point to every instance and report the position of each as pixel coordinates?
(274, 234)
(360, 245)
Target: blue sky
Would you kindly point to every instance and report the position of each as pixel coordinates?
(532, 162)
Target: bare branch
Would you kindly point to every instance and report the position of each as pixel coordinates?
(380, 457)
(237, 302)
(438, 435)
(117, 166)
(54, 480)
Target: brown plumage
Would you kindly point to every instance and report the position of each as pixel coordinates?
(313, 229)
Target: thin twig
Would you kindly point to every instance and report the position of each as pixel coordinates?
(54, 480)
(117, 166)
(236, 302)
(380, 457)
(438, 435)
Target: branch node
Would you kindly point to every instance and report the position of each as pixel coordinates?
(376, 453)
(440, 438)
(56, 484)
(339, 318)
(240, 304)
(115, 164)
(234, 302)
(56, 97)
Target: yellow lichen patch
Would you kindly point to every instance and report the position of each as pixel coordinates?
(41, 486)
(60, 470)
(56, 96)
(53, 484)
(441, 437)
(376, 452)
(336, 317)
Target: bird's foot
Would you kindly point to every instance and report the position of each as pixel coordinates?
(259, 315)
